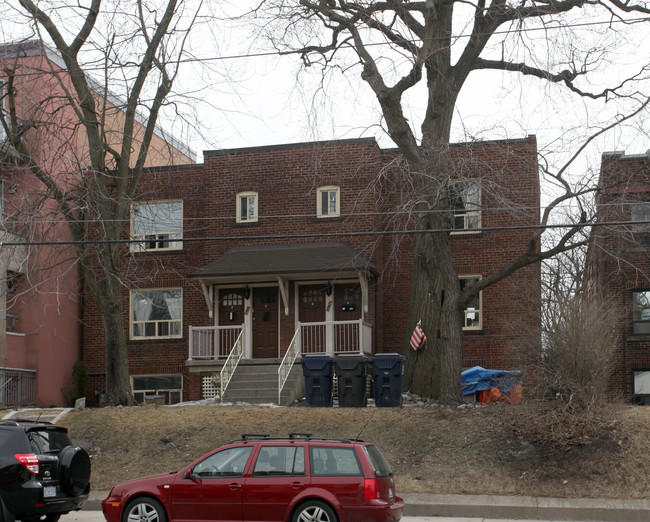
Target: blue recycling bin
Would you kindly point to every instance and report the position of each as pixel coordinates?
(317, 370)
(351, 376)
(388, 374)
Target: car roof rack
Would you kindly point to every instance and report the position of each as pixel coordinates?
(292, 436)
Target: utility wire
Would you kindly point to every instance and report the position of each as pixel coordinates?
(324, 235)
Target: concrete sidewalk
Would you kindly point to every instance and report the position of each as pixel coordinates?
(504, 507)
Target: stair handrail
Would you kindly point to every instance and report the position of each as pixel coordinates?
(287, 362)
(231, 363)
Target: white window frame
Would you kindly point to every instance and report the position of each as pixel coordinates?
(247, 195)
(468, 214)
(156, 323)
(325, 212)
(157, 391)
(466, 313)
(640, 312)
(156, 241)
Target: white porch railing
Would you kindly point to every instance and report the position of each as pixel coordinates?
(213, 342)
(231, 363)
(287, 363)
(336, 337)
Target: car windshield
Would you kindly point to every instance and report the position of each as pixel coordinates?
(379, 463)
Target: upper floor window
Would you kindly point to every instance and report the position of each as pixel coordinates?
(641, 312)
(466, 204)
(156, 313)
(473, 314)
(640, 212)
(158, 225)
(328, 202)
(247, 207)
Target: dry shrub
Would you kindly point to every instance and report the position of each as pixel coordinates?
(568, 376)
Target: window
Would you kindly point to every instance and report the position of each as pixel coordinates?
(326, 461)
(158, 225)
(473, 317)
(226, 463)
(247, 207)
(328, 202)
(466, 204)
(168, 388)
(640, 211)
(280, 460)
(641, 312)
(156, 313)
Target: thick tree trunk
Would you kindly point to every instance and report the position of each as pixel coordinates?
(118, 384)
(434, 371)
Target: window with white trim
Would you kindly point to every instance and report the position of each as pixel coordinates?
(158, 224)
(169, 388)
(247, 207)
(641, 312)
(466, 204)
(328, 201)
(640, 212)
(156, 314)
(473, 314)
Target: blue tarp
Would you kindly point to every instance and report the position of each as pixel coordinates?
(478, 378)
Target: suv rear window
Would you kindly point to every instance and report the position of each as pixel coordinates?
(48, 441)
(382, 468)
(326, 461)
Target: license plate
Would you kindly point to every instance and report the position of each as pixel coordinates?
(49, 491)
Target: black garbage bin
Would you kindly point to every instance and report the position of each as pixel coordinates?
(351, 374)
(317, 370)
(388, 373)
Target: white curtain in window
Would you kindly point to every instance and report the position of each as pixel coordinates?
(142, 306)
(174, 305)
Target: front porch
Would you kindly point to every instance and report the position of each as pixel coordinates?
(220, 349)
(215, 343)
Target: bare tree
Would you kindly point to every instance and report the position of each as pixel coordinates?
(404, 49)
(92, 180)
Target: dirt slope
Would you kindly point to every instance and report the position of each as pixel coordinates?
(432, 449)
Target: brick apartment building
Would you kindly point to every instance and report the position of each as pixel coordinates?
(273, 256)
(40, 333)
(620, 265)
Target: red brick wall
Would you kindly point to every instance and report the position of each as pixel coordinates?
(286, 179)
(621, 263)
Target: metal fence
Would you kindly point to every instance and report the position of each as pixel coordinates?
(17, 387)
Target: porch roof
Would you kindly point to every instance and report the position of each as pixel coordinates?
(306, 258)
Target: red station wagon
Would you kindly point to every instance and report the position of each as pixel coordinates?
(261, 478)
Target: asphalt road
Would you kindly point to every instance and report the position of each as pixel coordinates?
(96, 516)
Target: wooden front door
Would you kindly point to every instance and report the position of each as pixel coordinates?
(231, 313)
(312, 310)
(347, 307)
(265, 322)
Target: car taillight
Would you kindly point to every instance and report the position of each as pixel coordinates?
(29, 460)
(371, 489)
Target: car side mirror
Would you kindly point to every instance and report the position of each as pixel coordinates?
(188, 474)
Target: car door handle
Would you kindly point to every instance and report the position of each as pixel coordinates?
(297, 485)
(234, 486)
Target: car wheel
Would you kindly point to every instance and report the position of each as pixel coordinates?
(144, 510)
(314, 511)
(75, 470)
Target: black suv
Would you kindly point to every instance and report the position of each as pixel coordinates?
(42, 475)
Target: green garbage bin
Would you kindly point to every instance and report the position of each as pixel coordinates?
(351, 373)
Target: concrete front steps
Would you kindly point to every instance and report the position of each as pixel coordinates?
(256, 382)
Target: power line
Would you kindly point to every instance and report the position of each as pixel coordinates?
(266, 54)
(265, 237)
